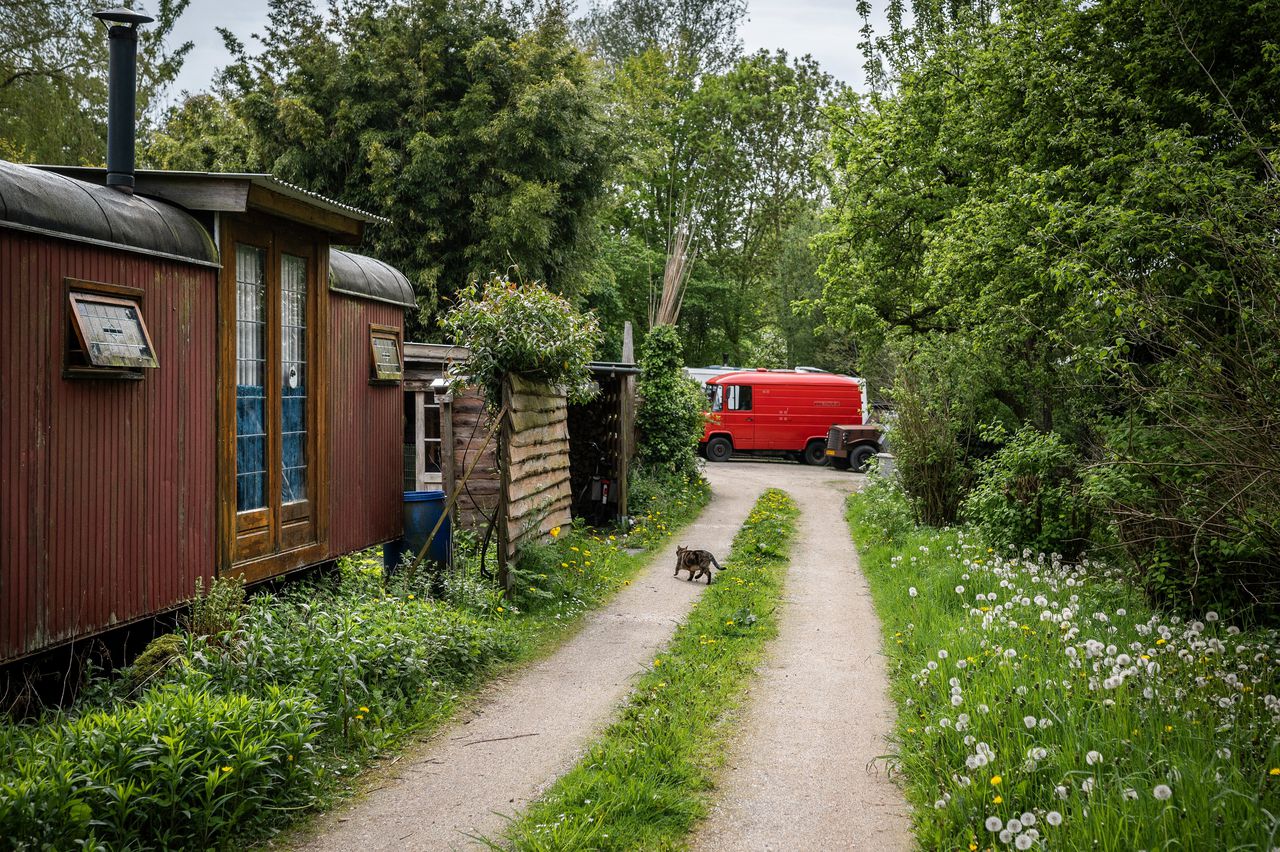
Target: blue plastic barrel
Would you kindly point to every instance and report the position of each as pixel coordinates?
(421, 511)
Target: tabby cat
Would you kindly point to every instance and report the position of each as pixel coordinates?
(697, 562)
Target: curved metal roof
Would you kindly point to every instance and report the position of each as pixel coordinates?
(45, 202)
(368, 278)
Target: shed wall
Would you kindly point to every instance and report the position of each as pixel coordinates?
(366, 424)
(478, 498)
(107, 485)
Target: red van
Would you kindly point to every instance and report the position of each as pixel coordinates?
(779, 412)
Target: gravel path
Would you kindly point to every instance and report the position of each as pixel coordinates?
(801, 776)
(524, 732)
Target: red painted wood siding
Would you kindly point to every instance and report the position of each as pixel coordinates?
(107, 485)
(366, 431)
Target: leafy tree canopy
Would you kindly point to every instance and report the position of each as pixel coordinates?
(53, 77)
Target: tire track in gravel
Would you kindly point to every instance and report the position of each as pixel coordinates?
(523, 732)
(801, 774)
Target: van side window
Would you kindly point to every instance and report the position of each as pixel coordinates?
(739, 397)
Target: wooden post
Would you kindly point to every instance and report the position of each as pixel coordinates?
(448, 473)
(628, 344)
(419, 439)
(626, 438)
(504, 490)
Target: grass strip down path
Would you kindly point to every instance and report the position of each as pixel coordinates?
(1045, 705)
(647, 780)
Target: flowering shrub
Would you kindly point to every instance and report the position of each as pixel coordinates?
(1043, 705)
(527, 330)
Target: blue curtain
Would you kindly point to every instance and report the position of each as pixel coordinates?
(293, 421)
(251, 447)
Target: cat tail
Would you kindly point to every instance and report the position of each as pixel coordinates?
(713, 561)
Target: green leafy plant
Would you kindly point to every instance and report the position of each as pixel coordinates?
(217, 611)
(1028, 494)
(527, 330)
(670, 417)
(181, 768)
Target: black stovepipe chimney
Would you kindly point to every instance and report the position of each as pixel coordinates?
(122, 82)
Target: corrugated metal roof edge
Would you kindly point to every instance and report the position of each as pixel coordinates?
(263, 179)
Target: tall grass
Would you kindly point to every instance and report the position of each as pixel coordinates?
(267, 707)
(645, 782)
(1045, 705)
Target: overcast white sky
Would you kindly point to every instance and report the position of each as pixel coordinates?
(826, 29)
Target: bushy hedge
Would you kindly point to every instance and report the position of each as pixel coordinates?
(1028, 493)
(670, 415)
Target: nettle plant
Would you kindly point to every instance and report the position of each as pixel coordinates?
(526, 330)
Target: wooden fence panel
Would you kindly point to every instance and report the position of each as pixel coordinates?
(534, 464)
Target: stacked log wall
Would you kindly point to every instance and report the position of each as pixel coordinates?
(534, 462)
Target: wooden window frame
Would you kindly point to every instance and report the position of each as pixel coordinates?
(97, 291)
(385, 332)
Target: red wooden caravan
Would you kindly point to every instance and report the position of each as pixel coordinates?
(194, 383)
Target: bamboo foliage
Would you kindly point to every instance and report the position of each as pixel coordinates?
(664, 307)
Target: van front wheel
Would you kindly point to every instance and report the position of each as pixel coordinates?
(815, 453)
(719, 449)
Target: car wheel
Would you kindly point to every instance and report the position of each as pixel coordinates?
(815, 453)
(859, 456)
(719, 449)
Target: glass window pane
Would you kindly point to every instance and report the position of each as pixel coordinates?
(293, 375)
(251, 390)
(113, 332)
(386, 356)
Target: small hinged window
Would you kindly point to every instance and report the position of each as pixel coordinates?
(107, 332)
(385, 344)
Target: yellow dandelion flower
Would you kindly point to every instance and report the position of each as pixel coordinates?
(555, 531)
(995, 780)
(364, 709)
(658, 661)
(500, 609)
(998, 799)
(290, 758)
(1274, 771)
(226, 769)
(410, 597)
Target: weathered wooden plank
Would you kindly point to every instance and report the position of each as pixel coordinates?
(524, 493)
(522, 421)
(543, 464)
(558, 431)
(521, 454)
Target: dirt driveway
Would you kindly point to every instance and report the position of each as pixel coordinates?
(803, 774)
(798, 777)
